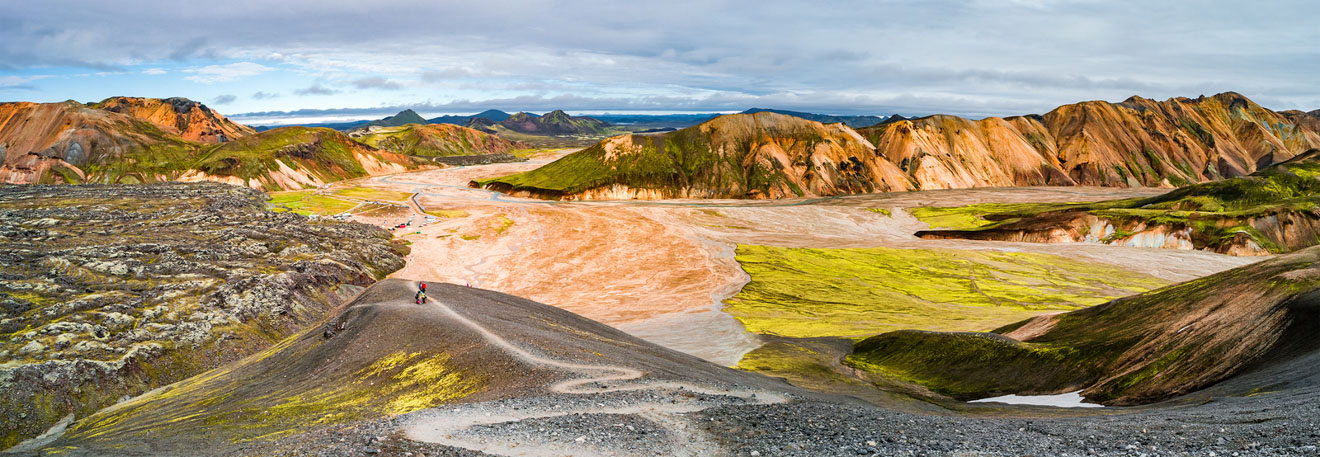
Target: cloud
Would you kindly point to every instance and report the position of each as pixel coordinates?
(20, 82)
(154, 71)
(376, 82)
(224, 99)
(447, 74)
(262, 95)
(225, 73)
(189, 49)
(316, 89)
(993, 57)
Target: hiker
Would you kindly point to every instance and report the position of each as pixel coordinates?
(420, 297)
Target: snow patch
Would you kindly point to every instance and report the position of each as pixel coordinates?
(1064, 400)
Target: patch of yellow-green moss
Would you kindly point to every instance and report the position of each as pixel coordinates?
(368, 193)
(860, 292)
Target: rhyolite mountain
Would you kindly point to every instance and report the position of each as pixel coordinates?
(294, 158)
(434, 140)
(762, 155)
(188, 119)
(1138, 142)
(138, 140)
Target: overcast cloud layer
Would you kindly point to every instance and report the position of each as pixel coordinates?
(331, 58)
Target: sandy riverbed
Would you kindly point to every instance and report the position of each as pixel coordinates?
(660, 270)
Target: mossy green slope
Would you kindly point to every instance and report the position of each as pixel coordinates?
(326, 154)
(435, 140)
(1277, 208)
(860, 292)
(322, 377)
(1133, 350)
(763, 155)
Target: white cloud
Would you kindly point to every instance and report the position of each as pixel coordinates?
(979, 56)
(154, 71)
(224, 73)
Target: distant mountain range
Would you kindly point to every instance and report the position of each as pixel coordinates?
(490, 114)
(558, 122)
(404, 117)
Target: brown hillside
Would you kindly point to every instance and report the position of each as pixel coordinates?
(70, 142)
(190, 120)
(1138, 142)
(57, 142)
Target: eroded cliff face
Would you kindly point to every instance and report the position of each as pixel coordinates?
(68, 141)
(1290, 230)
(1274, 210)
(1138, 142)
(188, 119)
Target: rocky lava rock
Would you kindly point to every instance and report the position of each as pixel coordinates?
(109, 291)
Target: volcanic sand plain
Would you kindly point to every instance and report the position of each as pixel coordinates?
(663, 270)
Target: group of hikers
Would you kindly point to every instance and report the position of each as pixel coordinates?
(420, 296)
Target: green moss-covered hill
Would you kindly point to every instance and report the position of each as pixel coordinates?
(1274, 210)
(434, 140)
(296, 157)
(1133, 350)
(762, 155)
(138, 140)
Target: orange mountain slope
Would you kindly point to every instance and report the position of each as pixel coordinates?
(188, 119)
(132, 140)
(1138, 142)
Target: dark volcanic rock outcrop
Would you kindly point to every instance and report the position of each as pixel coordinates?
(109, 291)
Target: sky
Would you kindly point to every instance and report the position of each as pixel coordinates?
(266, 61)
